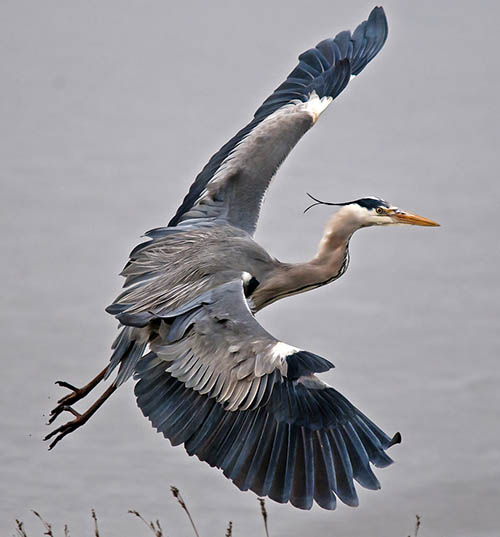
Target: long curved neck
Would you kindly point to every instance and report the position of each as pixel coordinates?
(329, 263)
(335, 240)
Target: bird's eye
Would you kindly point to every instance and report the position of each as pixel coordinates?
(379, 210)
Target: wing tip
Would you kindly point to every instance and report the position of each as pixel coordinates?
(396, 439)
(302, 363)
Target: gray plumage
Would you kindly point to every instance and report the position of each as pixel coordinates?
(209, 376)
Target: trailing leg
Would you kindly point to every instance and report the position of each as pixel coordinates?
(76, 395)
(80, 419)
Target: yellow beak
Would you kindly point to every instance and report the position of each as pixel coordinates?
(402, 217)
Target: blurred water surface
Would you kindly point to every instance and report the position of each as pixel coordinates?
(108, 112)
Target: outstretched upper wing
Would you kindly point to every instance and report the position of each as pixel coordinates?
(245, 402)
(232, 185)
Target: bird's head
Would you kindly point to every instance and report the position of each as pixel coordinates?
(372, 211)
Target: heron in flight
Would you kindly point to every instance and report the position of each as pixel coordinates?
(209, 376)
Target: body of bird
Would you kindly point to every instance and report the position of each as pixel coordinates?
(209, 376)
(217, 255)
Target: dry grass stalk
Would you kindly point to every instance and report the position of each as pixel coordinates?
(417, 526)
(96, 528)
(46, 525)
(20, 528)
(153, 526)
(182, 503)
(263, 512)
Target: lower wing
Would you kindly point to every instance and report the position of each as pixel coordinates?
(251, 405)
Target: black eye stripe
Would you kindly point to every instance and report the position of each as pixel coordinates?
(371, 203)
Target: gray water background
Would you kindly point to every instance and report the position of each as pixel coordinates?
(108, 111)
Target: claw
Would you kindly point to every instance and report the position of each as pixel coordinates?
(63, 430)
(65, 384)
(76, 395)
(63, 404)
(59, 409)
(53, 416)
(68, 427)
(80, 419)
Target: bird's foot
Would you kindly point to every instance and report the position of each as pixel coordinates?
(70, 399)
(80, 419)
(76, 395)
(66, 428)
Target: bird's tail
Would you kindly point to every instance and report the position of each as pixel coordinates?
(128, 349)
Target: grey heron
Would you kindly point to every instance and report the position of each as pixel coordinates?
(209, 376)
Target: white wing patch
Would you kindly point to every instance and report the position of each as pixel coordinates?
(281, 350)
(246, 277)
(317, 106)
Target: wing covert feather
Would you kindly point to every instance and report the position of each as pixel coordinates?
(269, 423)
